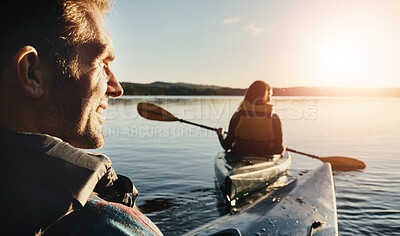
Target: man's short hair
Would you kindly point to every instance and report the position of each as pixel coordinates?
(53, 27)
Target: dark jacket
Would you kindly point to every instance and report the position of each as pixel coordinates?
(44, 179)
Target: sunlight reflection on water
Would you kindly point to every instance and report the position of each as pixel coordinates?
(173, 162)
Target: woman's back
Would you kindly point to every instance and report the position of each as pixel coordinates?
(254, 129)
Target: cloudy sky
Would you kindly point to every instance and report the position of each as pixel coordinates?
(336, 43)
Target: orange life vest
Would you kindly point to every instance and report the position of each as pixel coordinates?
(255, 124)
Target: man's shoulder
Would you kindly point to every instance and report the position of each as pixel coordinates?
(25, 145)
(53, 171)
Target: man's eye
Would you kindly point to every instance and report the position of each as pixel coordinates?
(105, 68)
(103, 65)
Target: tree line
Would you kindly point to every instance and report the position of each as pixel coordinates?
(185, 89)
(178, 89)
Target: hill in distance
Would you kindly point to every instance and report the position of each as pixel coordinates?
(182, 89)
(187, 89)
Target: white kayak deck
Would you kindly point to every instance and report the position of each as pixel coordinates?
(306, 204)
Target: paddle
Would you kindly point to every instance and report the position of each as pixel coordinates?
(338, 163)
(153, 112)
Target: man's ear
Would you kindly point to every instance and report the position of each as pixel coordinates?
(28, 71)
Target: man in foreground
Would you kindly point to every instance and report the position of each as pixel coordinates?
(55, 83)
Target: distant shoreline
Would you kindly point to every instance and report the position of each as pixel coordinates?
(186, 89)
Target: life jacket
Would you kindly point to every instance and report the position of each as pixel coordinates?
(255, 125)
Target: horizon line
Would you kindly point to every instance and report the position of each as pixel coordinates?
(297, 86)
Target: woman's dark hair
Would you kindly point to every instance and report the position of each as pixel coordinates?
(257, 93)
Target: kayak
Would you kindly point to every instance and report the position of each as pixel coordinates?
(238, 176)
(305, 206)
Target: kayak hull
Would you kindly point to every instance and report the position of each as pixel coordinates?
(240, 176)
(304, 205)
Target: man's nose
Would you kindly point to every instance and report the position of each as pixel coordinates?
(114, 88)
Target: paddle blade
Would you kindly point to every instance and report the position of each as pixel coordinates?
(153, 112)
(343, 163)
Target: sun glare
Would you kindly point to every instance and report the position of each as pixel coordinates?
(340, 58)
(340, 62)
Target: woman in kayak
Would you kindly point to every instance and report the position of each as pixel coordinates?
(254, 129)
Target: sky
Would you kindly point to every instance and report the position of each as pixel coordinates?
(287, 43)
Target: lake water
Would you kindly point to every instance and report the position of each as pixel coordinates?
(171, 163)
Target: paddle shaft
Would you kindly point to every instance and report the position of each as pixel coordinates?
(214, 129)
(199, 125)
(303, 153)
(338, 163)
(154, 112)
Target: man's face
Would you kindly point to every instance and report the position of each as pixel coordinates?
(77, 105)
